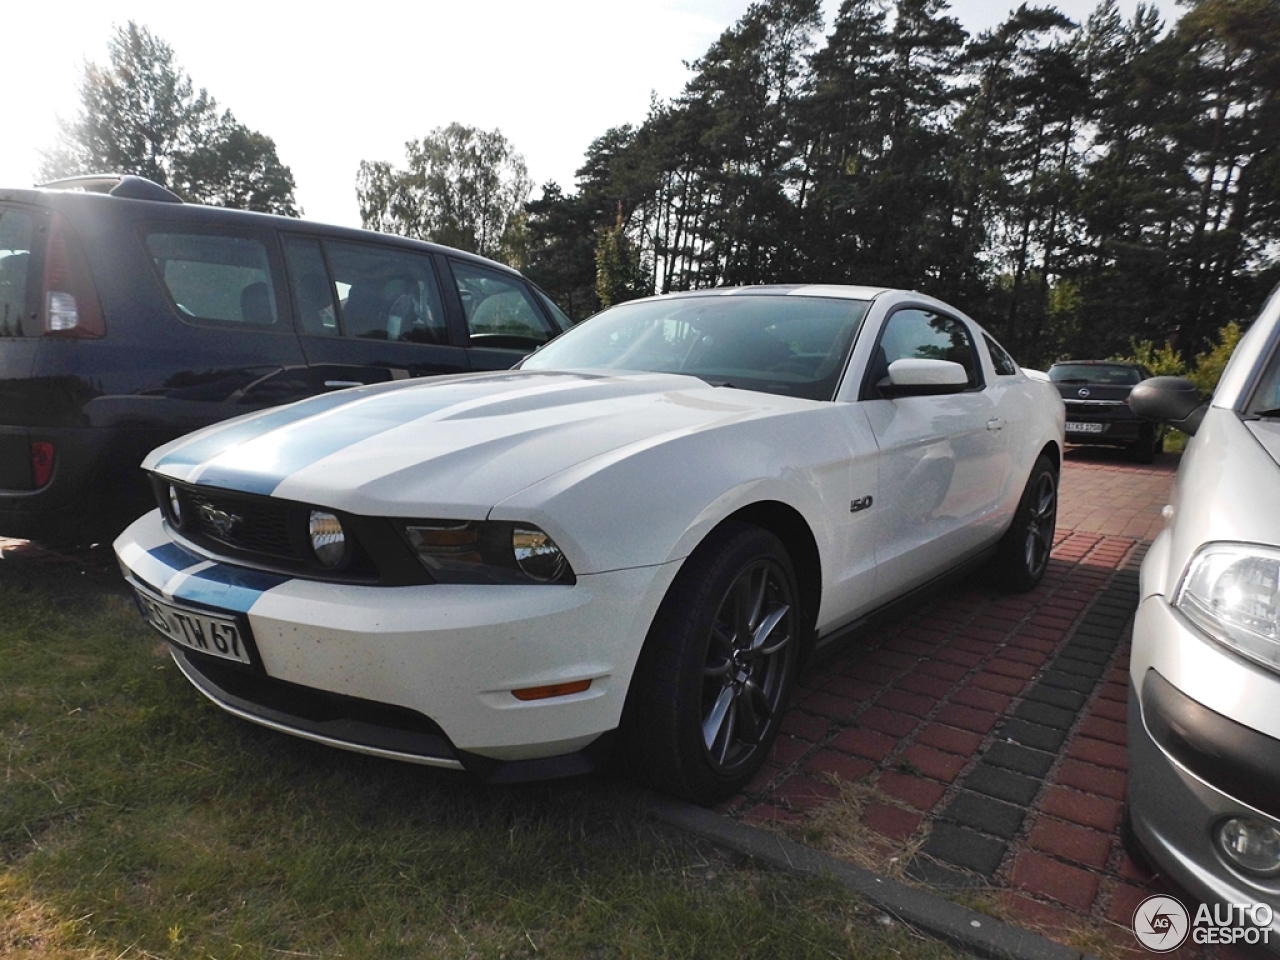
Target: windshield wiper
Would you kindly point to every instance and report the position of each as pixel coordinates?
(1270, 414)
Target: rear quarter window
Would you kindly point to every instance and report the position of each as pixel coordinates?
(17, 233)
(216, 278)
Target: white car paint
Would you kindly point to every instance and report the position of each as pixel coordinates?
(628, 473)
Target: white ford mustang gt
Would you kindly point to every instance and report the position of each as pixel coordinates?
(629, 543)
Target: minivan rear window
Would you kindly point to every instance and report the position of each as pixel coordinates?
(16, 230)
(216, 277)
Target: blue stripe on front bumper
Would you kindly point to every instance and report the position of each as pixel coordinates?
(175, 557)
(228, 588)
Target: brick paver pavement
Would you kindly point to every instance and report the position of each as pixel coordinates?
(976, 742)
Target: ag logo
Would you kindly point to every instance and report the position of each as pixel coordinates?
(1161, 924)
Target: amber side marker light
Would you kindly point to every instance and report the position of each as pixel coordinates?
(551, 690)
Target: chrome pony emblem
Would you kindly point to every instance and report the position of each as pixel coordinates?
(221, 521)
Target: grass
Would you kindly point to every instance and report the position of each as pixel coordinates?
(837, 828)
(138, 820)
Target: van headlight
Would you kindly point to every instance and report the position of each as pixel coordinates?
(488, 551)
(1231, 591)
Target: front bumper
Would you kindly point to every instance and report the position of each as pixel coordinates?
(1193, 763)
(421, 673)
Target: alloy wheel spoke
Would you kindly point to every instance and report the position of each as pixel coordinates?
(759, 643)
(760, 701)
(745, 707)
(759, 581)
(718, 726)
(719, 655)
(741, 600)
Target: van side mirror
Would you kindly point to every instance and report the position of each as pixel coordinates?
(1171, 400)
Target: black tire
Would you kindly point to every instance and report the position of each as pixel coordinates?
(1023, 554)
(713, 678)
(1145, 450)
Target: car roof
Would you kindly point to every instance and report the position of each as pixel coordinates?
(831, 290)
(147, 200)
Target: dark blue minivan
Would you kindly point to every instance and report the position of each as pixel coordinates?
(128, 318)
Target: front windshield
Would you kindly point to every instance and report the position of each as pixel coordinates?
(789, 345)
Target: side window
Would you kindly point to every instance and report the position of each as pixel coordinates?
(16, 229)
(916, 334)
(500, 310)
(217, 277)
(312, 291)
(386, 294)
(1003, 363)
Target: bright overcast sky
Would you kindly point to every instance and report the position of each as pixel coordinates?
(334, 88)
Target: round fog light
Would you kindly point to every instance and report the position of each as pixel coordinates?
(175, 507)
(1251, 844)
(328, 539)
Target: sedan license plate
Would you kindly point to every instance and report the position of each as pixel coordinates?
(199, 630)
(1085, 427)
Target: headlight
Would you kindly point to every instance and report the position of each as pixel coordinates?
(1230, 592)
(488, 551)
(328, 539)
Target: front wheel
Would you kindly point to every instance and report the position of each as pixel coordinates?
(712, 681)
(1023, 555)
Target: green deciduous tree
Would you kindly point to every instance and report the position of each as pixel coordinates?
(141, 114)
(460, 186)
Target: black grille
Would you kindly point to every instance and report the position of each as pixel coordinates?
(255, 525)
(271, 534)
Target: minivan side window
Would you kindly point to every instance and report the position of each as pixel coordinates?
(16, 230)
(312, 291)
(216, 277)
(499, 309)
(386, 294)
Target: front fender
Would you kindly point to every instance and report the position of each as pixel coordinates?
(653, 502)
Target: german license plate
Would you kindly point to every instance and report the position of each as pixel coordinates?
(1085, 427)
(199, 630)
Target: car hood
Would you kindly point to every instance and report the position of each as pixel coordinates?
(450, 446)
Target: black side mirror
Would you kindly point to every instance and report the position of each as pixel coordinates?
(1171, 400)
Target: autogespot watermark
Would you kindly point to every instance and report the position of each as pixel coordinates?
(1162, 924)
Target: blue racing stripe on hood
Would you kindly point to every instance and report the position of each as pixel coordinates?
(313, 429)
(198, 451)
(228, 588)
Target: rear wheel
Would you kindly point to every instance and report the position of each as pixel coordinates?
(712, 681)
(1023, 555)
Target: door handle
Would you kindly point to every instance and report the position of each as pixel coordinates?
(995, 424)
(341, 384)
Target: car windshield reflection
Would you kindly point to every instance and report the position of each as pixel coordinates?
(793, 346)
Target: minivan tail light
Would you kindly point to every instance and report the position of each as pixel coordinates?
(42, 460)
(71, 306)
